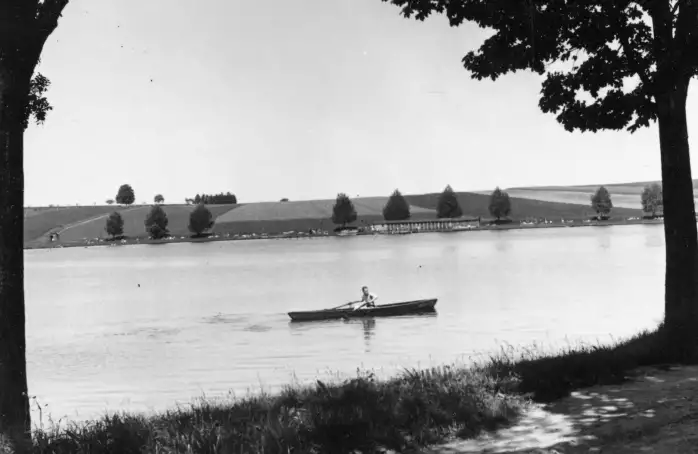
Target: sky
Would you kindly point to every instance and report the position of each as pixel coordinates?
(298, 99)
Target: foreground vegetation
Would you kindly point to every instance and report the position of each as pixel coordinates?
(417, 408)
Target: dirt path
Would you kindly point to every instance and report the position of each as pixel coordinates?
(657, 412)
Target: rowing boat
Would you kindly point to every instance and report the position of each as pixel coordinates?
(385, 310)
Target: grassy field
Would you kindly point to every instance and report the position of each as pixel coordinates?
(477, 205)
(77, 223)
(630, 201)
(177, 215)
(298, 225)
(309, 209)
(624, 195)
(38, 222)
(415, 409)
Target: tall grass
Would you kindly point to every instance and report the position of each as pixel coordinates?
(416, 408)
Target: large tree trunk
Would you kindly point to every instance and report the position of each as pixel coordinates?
(14, 403)
(681, 297)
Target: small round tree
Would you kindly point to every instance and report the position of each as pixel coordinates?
(500, 204)
(114, 225)
(397, 208)
(447, 206)
(200, 220)
(343, 212)
(652, 199)
(601, 202)
(125, 196)
(110, 201)
(156, 223)
(159, 199)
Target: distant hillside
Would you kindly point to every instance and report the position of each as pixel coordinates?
(477, 205)
(623, 195)
(78, 223)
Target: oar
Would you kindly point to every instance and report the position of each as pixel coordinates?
(345, 304)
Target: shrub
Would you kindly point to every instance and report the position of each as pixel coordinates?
(156, 223)
(447, 206)
(114, 225)
(125, 196)
(200, 220)
(397, 208)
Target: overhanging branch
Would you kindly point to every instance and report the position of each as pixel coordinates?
(624, 39)
(47, 16)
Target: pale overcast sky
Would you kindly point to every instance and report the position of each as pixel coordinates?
(300, 99)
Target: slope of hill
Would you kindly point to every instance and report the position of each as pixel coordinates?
(39, 222)
(474, 204)
(623, 195)
(78, 223)
(134, 222)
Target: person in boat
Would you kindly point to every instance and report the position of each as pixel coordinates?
(368, 299)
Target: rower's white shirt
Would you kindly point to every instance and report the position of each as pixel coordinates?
(371, 297)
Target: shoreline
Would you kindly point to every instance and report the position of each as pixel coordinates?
(103, 242)
(522, 400)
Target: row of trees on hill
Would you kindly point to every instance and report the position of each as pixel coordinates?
(652, 199)
(156, 222)
(398, 209)
(127, 196)
(213, 199)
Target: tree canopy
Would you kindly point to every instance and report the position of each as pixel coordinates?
(114, 225)
(652, 198)
(447, 206)
(125, 196)
(156, 222)
(200, 220)
(343, 211)
(601, 201)
(221, 199)
(500, 204)
(159, 198)
(606, 49)
(396, 208)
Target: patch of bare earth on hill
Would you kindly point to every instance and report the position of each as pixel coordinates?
(655, 412)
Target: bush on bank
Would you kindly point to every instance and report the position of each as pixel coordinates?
(364, 414)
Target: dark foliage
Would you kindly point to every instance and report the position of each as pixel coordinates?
(125, 196)
(652, 199)
(601, 201)
(200, 220)
(397, 208)
(343, 211)
(447, 205)
(215, 199)
(114, 225)
(156, 223)
(500, 204)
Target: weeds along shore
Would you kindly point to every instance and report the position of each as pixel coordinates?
(413, 409)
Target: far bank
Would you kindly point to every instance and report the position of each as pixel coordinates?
(361, 230)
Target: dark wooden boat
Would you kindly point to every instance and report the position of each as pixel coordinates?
(385, 310)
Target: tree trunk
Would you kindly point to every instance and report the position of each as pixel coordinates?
(681, 297)
(14, 402)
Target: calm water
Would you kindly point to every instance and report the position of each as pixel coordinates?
(143, 327)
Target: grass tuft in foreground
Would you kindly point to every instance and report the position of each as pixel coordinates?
(364, 414)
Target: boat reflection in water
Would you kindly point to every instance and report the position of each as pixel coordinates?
(367, 324)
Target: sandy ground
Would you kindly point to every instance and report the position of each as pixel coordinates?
(656, 412)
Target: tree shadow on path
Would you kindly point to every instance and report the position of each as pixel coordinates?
(655, 412)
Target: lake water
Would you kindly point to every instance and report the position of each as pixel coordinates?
(142, 328)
